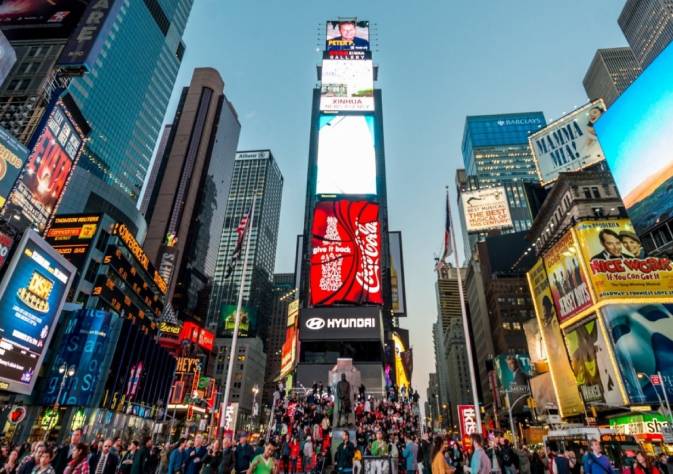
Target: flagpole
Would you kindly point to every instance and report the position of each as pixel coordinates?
(466, 330)
(234, 339)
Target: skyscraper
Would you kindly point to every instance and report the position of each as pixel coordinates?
(648, 27)
(255, 173)
(125, 94)
(283, 293)
(156, 164)
(611, 71)
(496, 153)
(185, 212)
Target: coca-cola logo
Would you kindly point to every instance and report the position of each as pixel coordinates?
(367, 239)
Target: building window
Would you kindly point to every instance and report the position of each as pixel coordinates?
(587, 193)
(595, 192)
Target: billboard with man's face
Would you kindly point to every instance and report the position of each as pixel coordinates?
(636, 134)
(617, 263)
(569, 143)
(347, 39)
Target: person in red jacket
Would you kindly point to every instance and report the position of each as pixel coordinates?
(294, 454)
(643, 465)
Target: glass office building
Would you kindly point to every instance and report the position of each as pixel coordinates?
(496, 153)
(125, 95)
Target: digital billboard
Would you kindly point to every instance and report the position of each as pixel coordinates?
(347, 85)
(7, 57)
(513, 371)
(486, 209)
(290, 349)
(617, 263)
(43, 179)
(569, 143)
(636, 134)
(32, 294)
(88, 344)
(347, 39)
(345, 253)
(30, 19)
(12, 157)
(341, 324)
(346, 155)
(247, 324)
(398, 301)
(194, 333)
(642, 338)
(569, 400)
(568, 283)
(590, 360)
(72, 236)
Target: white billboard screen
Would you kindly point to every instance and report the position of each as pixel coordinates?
(346, 155)
(347, 85)
(486, 209)
(569, 143)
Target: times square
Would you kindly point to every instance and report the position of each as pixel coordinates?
(190, 283)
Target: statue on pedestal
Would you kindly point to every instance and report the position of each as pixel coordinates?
(343, 393)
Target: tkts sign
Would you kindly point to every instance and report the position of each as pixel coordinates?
(467, 416)
(346, 253)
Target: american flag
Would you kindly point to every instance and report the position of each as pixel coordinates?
(447, 247)
(236, 254)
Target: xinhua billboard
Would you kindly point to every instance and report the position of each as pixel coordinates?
(347, 85)
(636, 134)
(32, 294)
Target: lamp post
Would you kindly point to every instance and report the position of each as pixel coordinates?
(510, 407)
(66, 373)
(642, 375)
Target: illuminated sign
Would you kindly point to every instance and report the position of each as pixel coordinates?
(141, 257)
(486, 209)
(347, 39)
(166, 328)
(635, 134)
(347, 85)
(397, 284)
(32, 294)
(40, 186)
(198, 335)
(341, 324)
(569, 143)
(346, 253)
(346, 155)
(467, 420)
(12, 157)
(6, 244)
(617, 264)
(72, 236)
(188, 365)
(32, 19)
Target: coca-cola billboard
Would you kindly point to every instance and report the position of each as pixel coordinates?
(346, 253)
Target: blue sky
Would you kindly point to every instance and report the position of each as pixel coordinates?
(440, 60)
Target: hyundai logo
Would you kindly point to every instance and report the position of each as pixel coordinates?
(315, 324)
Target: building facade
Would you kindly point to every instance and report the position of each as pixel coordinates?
(612, 70)
(156, 164)
(124, 132)
(255, 173)
(186, 207)
(648, 27)
(283, 293)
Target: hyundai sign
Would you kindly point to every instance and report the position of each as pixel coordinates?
(344, 323)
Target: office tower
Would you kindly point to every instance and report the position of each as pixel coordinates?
(186, 207)
(611, 71)
(156, 164)
(648, 27)
(283, 293)
(125, 94)
(496, 153)
(255, 173)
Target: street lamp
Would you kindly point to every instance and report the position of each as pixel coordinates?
(66, 372)
(510, 407)
(642, 375)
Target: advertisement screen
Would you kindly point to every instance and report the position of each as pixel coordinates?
(348, 39)
(346, 253)
(341, 324)
(72, 235)
(347, 85)
(27, 19)
(636, 134)
(617, 262)
(590, 360)
(39, 188)
(7, 58)
(247, 324)
(87, 344)
(486, 209)
(398, 294)
(569, 287)
(514, 371)
(32, 294)
(569, 143)
(12, 157)
(642, 338)
(570, 402)
(467, 417)
(346, 155)
(289, 351)
(198, 335)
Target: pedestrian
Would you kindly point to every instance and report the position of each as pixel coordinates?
(307, 452)
(426, 448)
(524, 460)
(439, 464)
(195, 456)
(227, 461)
(243, 455)
(562, 464)
(662, 464)
(594, 461)
(44, 463)
(10, 465)
(142, 458)
(644, 465)
(212, 459)
(574, 466)
(508, 459)
(177, 457)
(294, 453)
(64, 453)
(537, 462)
(410, 455)
(126, 463)
(379, 446)
(79, 463)
(480, 463)
(104, 461)
(31, 459)
(263, 463)
(343, 458)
